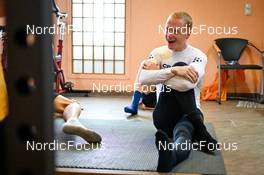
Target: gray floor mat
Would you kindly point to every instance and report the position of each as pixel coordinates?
(128, 145)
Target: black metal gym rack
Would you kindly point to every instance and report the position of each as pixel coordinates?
(29, 89)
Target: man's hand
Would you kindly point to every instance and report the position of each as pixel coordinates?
(187, 72)
(150, 65)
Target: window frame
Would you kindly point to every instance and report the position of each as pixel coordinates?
(114, 60)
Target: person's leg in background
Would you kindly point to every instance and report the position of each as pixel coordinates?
(133, 107)
(70, 111)
(137, 94)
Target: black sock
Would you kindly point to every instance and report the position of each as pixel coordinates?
(167, 159)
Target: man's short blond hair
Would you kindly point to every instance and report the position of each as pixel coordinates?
(183, 15)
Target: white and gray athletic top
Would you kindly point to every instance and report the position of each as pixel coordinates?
(166, 58)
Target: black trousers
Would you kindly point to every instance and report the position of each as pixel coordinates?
(172, 115)
(173, 106)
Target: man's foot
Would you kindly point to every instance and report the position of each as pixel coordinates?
(130, 109)
(133, 108)
(166, 160)
(74, 127)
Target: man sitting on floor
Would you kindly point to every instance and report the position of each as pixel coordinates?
(177, 115)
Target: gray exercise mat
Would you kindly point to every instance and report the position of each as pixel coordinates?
(128, 145)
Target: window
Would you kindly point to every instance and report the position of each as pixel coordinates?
(98, 38)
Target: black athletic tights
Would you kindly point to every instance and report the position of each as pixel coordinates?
(172, 115)
(172, 106)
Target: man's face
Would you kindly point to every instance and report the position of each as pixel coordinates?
(175, 36)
